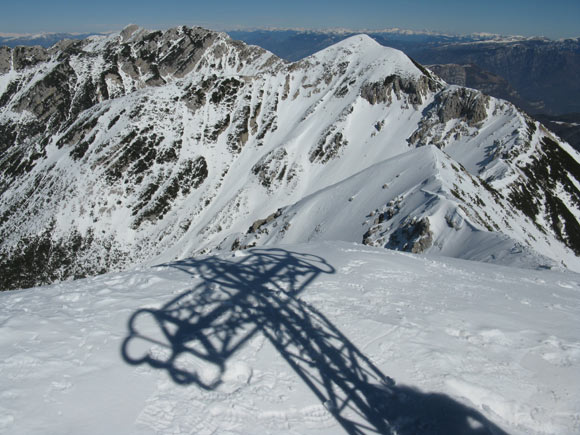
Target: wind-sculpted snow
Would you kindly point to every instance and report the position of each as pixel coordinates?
(148, 146)
(320, 338)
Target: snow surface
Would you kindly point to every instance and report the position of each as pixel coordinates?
(328, 337)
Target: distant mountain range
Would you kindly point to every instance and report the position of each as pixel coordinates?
(45, 40)
(295, 44)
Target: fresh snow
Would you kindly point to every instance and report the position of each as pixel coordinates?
(323, 338)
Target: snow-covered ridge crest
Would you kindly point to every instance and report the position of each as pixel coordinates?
(153, 145)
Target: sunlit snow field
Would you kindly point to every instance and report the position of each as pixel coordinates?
(322, 338)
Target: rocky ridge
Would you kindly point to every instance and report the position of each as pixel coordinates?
(146, 146)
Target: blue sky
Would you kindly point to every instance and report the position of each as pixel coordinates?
(555, 18)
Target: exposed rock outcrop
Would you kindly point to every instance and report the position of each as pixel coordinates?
(413, 91)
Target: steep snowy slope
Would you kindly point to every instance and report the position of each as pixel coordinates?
(394, 207)
(150, 146)
(323, 338)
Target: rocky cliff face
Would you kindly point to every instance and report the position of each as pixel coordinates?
(474, 77)
(148, 146)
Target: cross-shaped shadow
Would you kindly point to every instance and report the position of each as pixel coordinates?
(260, 293)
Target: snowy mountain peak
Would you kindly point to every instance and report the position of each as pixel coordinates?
(154, 145)
(361, 42)
(377, 60)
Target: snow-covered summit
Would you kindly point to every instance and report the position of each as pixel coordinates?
(364, 52)
(319, 338)
(356, 44)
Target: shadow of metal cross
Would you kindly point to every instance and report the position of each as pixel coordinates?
(234, 300)
(259, 292)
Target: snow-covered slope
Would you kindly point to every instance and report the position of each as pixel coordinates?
(390, 204)
(142, 147)
(322, 338)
